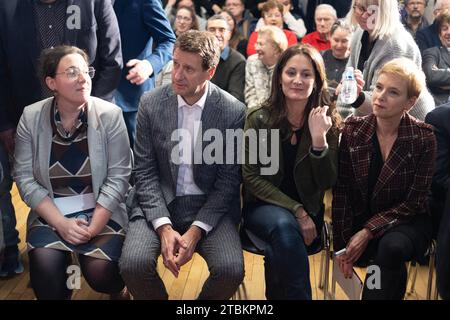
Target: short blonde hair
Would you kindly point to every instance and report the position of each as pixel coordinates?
(409, 72)
(276, 35)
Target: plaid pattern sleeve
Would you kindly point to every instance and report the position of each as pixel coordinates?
(341, 206)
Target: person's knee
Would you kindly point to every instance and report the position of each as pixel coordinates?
(133, 264)
(231, 273)
(286, 234)
(391, 253)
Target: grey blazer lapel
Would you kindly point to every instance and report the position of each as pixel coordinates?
(445, 54)
(169, 122)
(44, 143)
(96, 146)
(212, 111)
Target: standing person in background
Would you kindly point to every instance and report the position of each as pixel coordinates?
(2, 243)
(26, 28)
(147, 43)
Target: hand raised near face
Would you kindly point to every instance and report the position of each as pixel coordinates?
(319, 123)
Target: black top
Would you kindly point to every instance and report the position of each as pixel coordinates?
(376, 164)
(334, 68)
(288, 186)
(366, 50)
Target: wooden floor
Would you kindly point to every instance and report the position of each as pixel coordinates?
(190, 280)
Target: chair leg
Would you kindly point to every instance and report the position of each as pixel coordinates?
(430, 276)
(326, 274)
(241, 292)
(412, 268)
(321, 273)
(333, 284)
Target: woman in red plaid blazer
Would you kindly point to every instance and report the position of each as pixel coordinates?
(386, 163)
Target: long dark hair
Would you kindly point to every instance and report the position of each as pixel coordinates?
(276, 103)
(236, 35)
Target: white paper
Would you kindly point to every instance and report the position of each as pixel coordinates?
(72, 204)
(351, 287)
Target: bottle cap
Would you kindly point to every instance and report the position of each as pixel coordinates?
(349, 74)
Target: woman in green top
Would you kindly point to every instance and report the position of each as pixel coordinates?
(284, 206)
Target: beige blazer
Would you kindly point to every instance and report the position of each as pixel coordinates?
(109, 153)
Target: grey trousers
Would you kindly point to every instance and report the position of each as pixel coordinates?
(221, 249)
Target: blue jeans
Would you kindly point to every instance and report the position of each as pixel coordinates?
(286, 259)
(130, 122)
(10, 234)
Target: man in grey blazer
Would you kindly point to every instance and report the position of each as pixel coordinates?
(182, 203)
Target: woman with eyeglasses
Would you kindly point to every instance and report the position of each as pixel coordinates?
(185, 19)
(72, 165)
(379, 38)
(173, 6)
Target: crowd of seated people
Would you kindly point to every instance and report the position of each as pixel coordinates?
(79, 98)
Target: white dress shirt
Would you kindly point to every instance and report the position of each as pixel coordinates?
(189, 117)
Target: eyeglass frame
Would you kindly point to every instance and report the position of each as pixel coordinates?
(359, 9)
(417, 4)
(187, 19)
(91, 70)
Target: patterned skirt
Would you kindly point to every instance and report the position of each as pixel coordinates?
(107, 245)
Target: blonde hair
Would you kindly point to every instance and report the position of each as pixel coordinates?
(409, 72)
(386, 16)
(276, 35)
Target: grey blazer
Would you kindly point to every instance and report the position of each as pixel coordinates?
(400, 44)
(436, 65)
(155, 172)
(109, 153)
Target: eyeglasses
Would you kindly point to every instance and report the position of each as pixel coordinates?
(220, 30)
(233, 4)
(274, 15)
(180, 18)
(73, 73)
(416, 4)
(360, 10)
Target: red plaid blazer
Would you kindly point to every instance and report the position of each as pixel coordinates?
(403, 184)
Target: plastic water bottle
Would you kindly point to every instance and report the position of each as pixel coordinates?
(349, 89)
